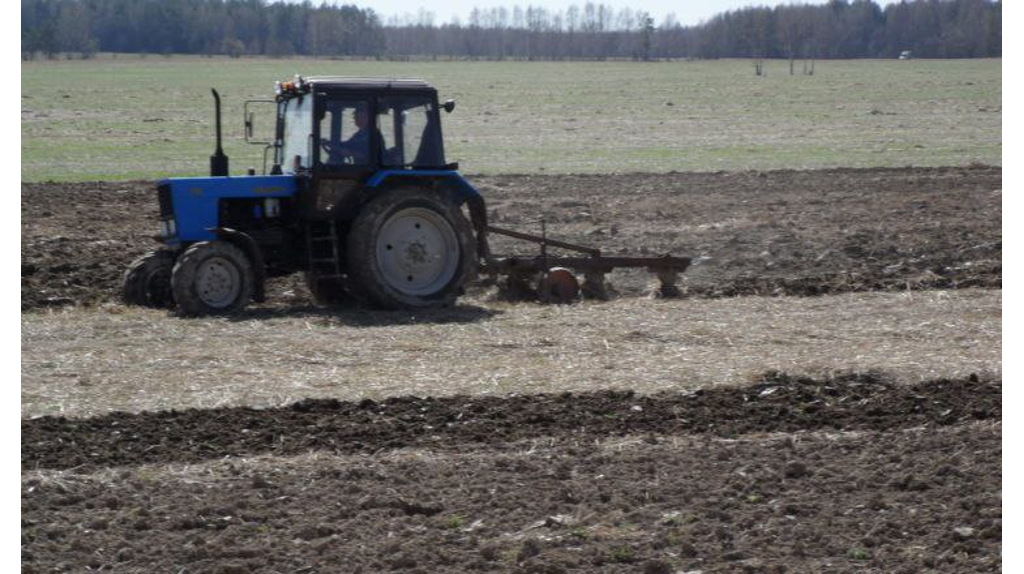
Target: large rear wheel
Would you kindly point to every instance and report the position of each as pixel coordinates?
(212, 277)
(410, 248)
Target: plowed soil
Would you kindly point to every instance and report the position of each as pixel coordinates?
(855, 472)
(779, 232)
(849, 474)
(779, 404)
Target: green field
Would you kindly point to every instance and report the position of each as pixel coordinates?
(131, 117)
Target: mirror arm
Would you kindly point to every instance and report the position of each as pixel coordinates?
(248, 121)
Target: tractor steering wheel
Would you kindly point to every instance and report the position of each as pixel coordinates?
(335, 151)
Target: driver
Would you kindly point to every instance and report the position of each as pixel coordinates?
(356, 147)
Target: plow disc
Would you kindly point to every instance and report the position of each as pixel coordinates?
(558, 286)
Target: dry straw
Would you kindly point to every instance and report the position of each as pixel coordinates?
(83, 362)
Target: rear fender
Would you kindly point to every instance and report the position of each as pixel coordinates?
(450, 181)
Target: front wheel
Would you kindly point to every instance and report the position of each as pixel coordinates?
(212, 277)
(410, 248)
(147, 281)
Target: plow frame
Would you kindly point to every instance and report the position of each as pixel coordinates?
(555, 281)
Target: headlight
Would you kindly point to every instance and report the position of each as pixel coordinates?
(167, 228)
(271, 207)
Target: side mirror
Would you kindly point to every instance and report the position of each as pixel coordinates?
(449, 106)
(249, 123)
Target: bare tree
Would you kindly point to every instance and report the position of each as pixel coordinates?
(591, 30)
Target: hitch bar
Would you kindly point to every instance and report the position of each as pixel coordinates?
(543, 240)
(595, 263)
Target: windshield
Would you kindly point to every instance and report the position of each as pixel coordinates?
(297, 115)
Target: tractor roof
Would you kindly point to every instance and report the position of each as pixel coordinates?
(340, 82)
(300, 85)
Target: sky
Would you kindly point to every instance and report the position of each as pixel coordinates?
(688, 12)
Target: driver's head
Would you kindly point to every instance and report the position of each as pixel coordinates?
(362, 117)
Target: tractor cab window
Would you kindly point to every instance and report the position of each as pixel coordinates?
(412, 132)
(297, 117)
(346, 133)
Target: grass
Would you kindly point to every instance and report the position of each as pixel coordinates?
(83, 362)
(454, 522)
(623, 555)
(858, 554)
(143, 118)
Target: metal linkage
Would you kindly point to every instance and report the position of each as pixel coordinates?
(544, 241)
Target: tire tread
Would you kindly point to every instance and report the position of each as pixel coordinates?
(136, 277)
(367, 286)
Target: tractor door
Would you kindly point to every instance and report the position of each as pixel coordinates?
(346, 143)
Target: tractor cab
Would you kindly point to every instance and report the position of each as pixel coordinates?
(338, 127)
(336, 134)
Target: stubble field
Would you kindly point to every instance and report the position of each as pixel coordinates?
(825, 397)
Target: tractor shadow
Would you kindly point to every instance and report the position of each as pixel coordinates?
(355, 316)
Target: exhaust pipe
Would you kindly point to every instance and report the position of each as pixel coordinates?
(218, 161)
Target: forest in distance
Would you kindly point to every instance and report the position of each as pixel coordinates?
(589, 31)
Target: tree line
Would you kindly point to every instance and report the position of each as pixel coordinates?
(837, 29)
(232, 27)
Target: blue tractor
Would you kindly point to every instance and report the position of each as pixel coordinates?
(359, 198)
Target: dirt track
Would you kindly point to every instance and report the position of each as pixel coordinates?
(781, 232)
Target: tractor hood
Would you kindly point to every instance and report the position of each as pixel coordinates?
(193, 202)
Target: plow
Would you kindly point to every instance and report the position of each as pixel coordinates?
(360, 199)
(554, 278)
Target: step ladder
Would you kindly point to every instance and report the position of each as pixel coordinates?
(322, 248)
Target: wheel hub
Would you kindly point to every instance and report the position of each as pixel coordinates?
(416, 254)
(417, 251)
(218, 282)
